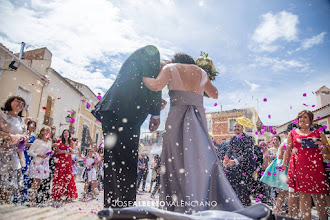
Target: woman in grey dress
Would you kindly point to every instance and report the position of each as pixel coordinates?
(12, 133)
(192, 179)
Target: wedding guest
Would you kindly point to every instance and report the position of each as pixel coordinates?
(64, 187)
(240, 154)
(98, 158)
(44, 193)
(274, 176)
(90, 173)
(144, 172)
(258, 160)
(31, 127)
(139, 171)
(154, 172)
(306, 173)
(100, 172)
(53, 134)
(326, 162)
(75, 157)
(221, 148)
(264, 189)
(40, 150)
(12, 132)
(157, 179)
(273, 145)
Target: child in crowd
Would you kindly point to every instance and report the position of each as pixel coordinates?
(89, 174)
(40, 150)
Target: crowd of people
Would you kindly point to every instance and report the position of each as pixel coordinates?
(287, 173)
(142, 173)
(37, 168)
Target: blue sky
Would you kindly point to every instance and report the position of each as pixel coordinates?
(275, 49)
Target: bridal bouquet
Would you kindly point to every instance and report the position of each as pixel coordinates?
(207, 65)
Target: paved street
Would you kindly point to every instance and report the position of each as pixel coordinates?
(93, 206)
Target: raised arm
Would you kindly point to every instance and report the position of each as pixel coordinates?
(160, 82)
(211, 90)
(282, 151)
(287, 153)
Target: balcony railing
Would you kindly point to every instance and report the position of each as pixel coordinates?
(48, 120)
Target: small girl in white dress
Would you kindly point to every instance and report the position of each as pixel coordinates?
(90, 176)
(40, 150)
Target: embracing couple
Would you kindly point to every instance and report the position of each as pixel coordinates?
(192, 179)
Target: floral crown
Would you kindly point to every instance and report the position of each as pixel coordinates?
(207, 65)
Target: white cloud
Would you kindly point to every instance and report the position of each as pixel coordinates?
(78, 33)
(310, 42)
(253, 86)
(278, 64)
(273, 27)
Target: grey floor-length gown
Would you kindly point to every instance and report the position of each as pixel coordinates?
(192, 179)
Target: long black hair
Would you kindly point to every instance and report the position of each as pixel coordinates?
(63, 139)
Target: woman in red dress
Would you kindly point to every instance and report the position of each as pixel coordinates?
(64, 186)
(306, 173)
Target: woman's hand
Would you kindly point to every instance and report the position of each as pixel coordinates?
(7, 138)
(163, 104)
(42, 156)
(28, 119)
(321, 147)
(26, 138)
(15, 138)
